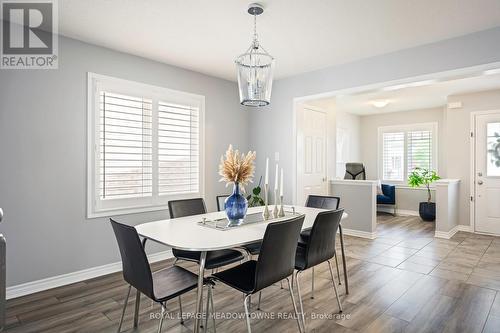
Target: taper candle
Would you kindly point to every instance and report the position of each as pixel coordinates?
(281, 183)
(276, 178)
(266, 179)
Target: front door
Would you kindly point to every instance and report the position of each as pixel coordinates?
(311, 154)
(487, 173)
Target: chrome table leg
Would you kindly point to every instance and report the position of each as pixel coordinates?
(199, 295)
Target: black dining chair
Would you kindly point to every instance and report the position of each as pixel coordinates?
(160, 286)
(323, 202)
(215, 259)
(252, 248)
(275, 263)
(221, 200)
(319, 248)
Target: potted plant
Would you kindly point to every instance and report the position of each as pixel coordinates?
(419, 177)
(254, 199)
(238, 169)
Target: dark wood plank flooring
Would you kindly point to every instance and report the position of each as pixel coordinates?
(403, 281)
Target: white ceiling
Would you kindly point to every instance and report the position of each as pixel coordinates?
(303, 35)
(427, 96)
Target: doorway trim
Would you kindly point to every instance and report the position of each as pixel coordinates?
(302, 102)
(472, 174)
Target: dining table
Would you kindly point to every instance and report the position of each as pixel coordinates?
(193, 233)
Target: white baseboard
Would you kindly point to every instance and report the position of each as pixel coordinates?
(398, 211)
(73, 277)
(466, 228)
(446, 234)
(452, 232)
(361, 234)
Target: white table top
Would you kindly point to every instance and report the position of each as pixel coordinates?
(186, 234)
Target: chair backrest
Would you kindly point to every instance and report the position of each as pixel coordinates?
(186, 207)
(321, 244)
(136, 270)
(355, 171)
(322, 201)
(221, 199)
(277, 253)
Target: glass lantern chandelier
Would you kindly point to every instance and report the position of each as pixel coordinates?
(255, 68)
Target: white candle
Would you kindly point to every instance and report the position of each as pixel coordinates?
(281, 183)
(276, 178)
(266, 179)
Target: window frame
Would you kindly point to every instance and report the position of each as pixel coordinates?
(97, 82)
(431, 126)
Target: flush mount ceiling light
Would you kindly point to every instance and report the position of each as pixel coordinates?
(255, 68)
(381, 103)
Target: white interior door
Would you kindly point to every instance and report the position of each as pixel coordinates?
(311, 153)
(487, 173)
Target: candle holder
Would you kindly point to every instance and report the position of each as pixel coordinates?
(265, 213)
(275, 210)
(281, 213)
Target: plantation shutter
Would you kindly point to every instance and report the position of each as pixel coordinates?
(419, 150)
(393, 155)
(178, 148)
(125, 146)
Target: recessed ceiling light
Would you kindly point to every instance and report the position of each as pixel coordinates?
(408, 85)
(381, 103)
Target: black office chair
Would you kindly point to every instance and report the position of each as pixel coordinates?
(275, 263)
(323, 202)
(355, 171)
(319, 248)
(160, 286)
(215, 259)
(252, 248)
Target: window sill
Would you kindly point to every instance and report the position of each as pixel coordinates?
(403, 186)
(125, 211)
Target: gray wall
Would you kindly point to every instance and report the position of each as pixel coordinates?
(43, 156)
(458, 141)
(274, 124)
(371, 124)
(407, 198)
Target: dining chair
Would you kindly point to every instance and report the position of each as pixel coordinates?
(160, 286)
(215, 259)
(332, 203)
(275, 263)
(252, 248)
(320, 247)
(221, 200)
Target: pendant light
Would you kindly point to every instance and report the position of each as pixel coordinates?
(255, 69)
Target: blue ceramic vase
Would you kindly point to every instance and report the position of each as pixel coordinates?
(236, 206)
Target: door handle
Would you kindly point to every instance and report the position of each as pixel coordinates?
(480, 182)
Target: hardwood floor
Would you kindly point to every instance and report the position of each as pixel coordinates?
(403, 281)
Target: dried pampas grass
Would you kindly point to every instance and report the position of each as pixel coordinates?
(236, 167)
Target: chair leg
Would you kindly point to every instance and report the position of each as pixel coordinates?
(163, 311)
(124, 308)
(338, 271)
(260, 297)
(180, 310)
(247, 313)
(137, 304)
(312, 284)
(335, 286)
(281, 284)
(300, 300)
(294, 305)
(211, 297)
(205, 326)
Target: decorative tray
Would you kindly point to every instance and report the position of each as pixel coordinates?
(224, 224)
